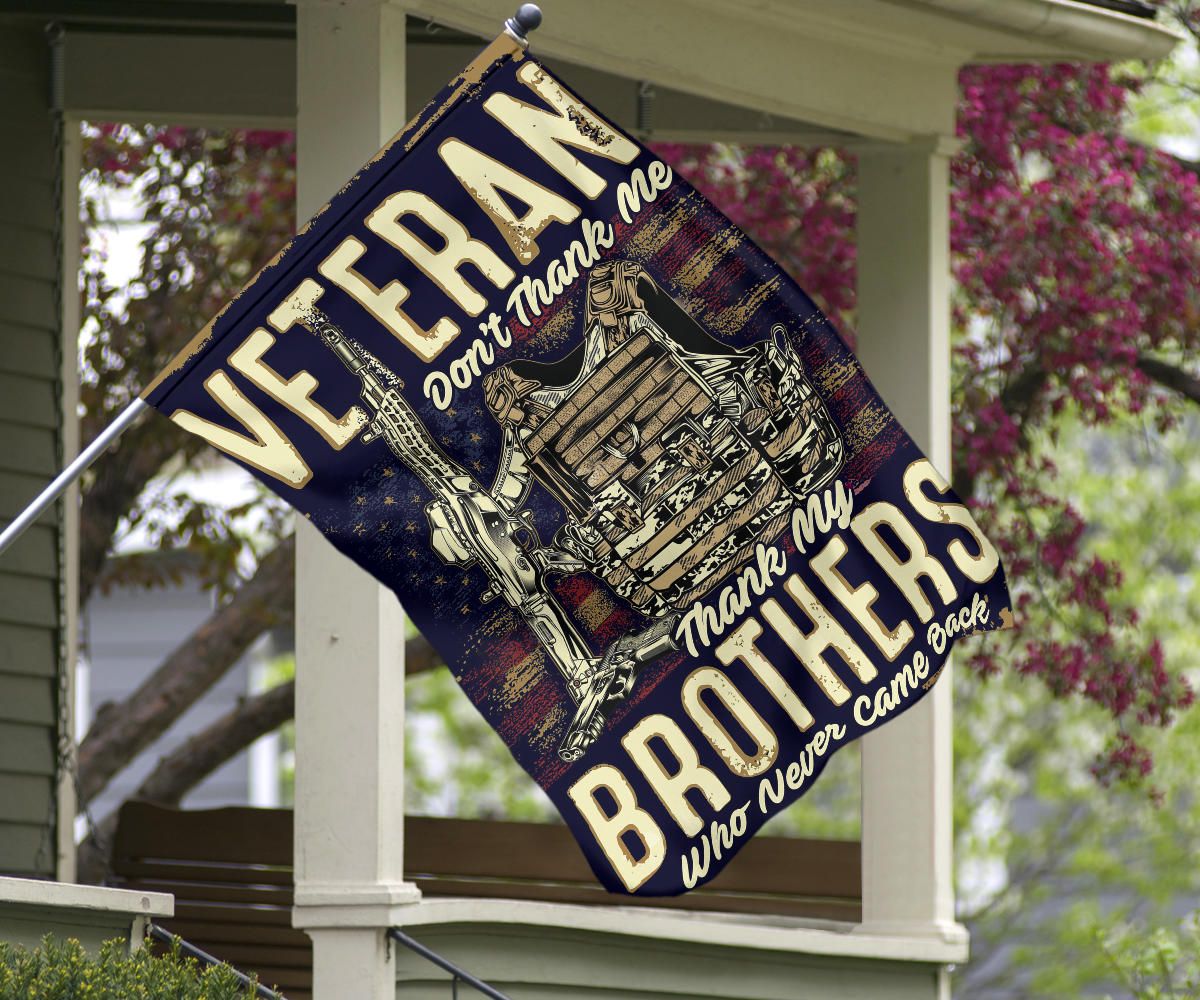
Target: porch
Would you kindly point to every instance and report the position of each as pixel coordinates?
(514, 905)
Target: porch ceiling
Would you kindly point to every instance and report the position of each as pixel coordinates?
(762, 70)
(878, 68)
(980, 29)
(149, 75)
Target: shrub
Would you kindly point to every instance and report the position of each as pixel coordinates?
(62, 970)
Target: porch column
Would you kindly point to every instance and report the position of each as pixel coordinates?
(904, 344)
(350, 60)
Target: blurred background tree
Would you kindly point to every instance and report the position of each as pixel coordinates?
(215, 208)
(1076, 242)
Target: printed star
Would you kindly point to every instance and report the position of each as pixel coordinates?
(447, 440)
(477, 465)
(413, 554)
(451, 412)
(465, 609)
(360, 528)
(389, 501)
(476, 438)
(439, 579)
(360, 500)
(384, 526)
(389, 472)
(416, 498)
(411, 526)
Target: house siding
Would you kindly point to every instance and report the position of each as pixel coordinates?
(30, 452)
(548, 963)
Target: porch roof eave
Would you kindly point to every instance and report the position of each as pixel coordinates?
(1055, 29)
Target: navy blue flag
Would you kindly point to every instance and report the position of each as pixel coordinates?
(616, 466)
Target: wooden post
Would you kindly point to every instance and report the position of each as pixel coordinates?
(904, 344)
(349, 630)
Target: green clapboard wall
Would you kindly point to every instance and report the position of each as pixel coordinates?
(29, 453)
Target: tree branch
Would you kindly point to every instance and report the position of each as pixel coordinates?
(121, 731)
(1170, 376)
(184, 768)
(178, 772)
(420, 656)
(115, 483)
(1017, 398)
(1019, 395)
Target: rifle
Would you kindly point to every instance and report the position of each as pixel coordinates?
(469, 527)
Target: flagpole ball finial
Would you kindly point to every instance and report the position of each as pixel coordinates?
(527, 17)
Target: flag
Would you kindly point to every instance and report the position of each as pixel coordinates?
(616, 466)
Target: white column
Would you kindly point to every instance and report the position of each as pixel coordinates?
(72, 160)
(349, 630)
(904, 344)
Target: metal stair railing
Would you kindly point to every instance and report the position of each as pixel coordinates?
(458, 974)
(204, 958)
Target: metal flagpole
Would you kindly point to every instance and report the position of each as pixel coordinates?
(127, 418)
(527, 17)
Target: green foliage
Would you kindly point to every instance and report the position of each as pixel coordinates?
(1073, 861)
(1165, 110)
(62, 970)
(214, 207)
(456, 764)
(1048, 863)
(1143, 490)
(1164, 965)
(280, 670)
